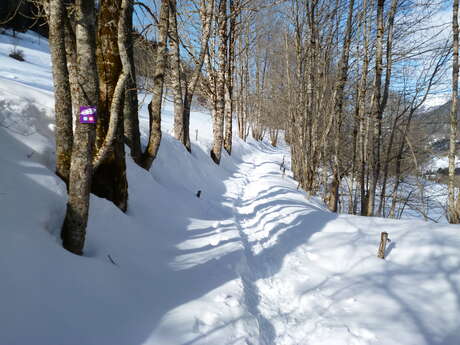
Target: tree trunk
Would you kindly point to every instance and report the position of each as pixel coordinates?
(389, 64)
(352, 198)
(206, 14)
(218, 118)
(228, 108)
(130, 110)
(109, 179)
(376, 114)
(274, 136)
(74, 227)
(157, 89)
(381, 209)
(453, 209)
(338, 111)
(244, 81)
(229, 102)
(179, 126)
(63, 98)
(71, 56)
(363, 137)
(398, 164)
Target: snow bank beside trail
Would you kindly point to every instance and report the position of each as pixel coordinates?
(164, 273)
(334, 290)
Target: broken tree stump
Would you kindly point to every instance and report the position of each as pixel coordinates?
(383, 243)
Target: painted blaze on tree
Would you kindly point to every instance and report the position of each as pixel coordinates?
(88, 114)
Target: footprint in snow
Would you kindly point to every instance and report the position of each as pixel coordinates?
(312, 257)
(205, 322)
(214, 241)
(228, 300)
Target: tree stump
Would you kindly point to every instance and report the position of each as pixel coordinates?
(383, 243)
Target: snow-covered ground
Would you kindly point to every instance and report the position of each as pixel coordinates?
(441, 162)
(251, 261)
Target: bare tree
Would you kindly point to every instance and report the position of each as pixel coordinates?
(218, 118)
(109, 175)
(453, 205)
(229, 78)
(179, 130)
(154, 106)
(130, 110)
(63, 100)
(338, 109)
(74, 227)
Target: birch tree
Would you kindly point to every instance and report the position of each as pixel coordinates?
(453, 204)
(218, 117)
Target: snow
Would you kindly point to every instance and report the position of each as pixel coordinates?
(435, 101)
(252, 261)
(441, 162)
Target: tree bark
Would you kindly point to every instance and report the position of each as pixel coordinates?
(130, 109)
(376, 114)
(244, 81)
(453, 206)
(218, 118)
(74, 227)
(109, 179)
(389, 58)
(229, 101)
(179, 126)
(157, 89)
(363, 137)
(338, 111)
(62, 95)
(206, 14)
(71, 56)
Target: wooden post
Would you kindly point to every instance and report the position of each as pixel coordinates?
(383, 243)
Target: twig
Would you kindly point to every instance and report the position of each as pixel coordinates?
(111, 260)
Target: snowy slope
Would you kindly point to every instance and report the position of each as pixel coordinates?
(250, 262)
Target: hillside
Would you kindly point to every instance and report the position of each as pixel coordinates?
(251, 261)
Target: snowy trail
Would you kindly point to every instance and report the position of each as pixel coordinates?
(254, 287)
(249, 278)
(258, 218)
(312, 277)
